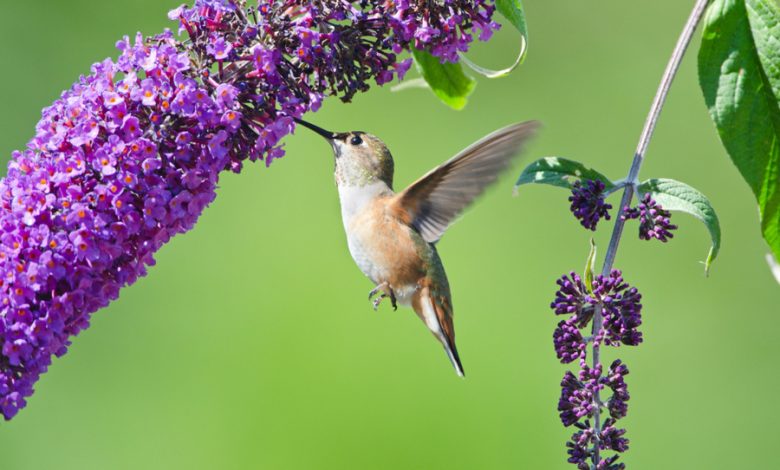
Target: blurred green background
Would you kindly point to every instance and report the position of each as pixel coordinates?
(251, 344)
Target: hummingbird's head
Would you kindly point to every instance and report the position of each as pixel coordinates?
(360, 158)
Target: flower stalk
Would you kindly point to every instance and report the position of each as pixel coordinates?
(649, 128)
(630, 188)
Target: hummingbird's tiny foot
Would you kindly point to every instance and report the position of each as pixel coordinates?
(387, 291)
(375, 291)
(378, 301)
(380, 287)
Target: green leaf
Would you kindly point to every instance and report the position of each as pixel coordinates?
(738, 73)
(590, 265)
(512, 10)
(764, 17)
(676, 196)
(447, 81)
(560, 172)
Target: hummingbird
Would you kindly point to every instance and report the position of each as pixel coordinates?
(392, 236)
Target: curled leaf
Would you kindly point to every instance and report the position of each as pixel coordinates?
(512, 10)
(676, 196)
(489, 73)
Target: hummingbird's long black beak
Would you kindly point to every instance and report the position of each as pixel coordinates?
(327, 134)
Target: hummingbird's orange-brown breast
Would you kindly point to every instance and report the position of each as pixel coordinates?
(391, 251)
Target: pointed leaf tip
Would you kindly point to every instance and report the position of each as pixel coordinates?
(590, 264)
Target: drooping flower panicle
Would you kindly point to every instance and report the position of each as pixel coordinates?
(619, 310)
(132, 153)
(587, 203)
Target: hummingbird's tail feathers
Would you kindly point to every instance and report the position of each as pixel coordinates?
(436, 312)
(452, 353)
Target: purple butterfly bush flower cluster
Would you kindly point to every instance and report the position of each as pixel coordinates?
(131, 154)
(619, 310)
(654, 220)
(589, 207)
(587, 203)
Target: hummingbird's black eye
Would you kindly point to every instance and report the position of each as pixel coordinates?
(356, 140)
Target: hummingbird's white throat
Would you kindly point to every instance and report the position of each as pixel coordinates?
(354, 198)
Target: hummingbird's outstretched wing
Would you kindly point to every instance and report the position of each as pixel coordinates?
(432, 203)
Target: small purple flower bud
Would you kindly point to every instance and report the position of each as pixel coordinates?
(569, 343)
(572, 298)
(587, 203)
(577, 394)
(579, 447)
(611, 438)
(609, 464)
(621, 308)
(616, 404)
